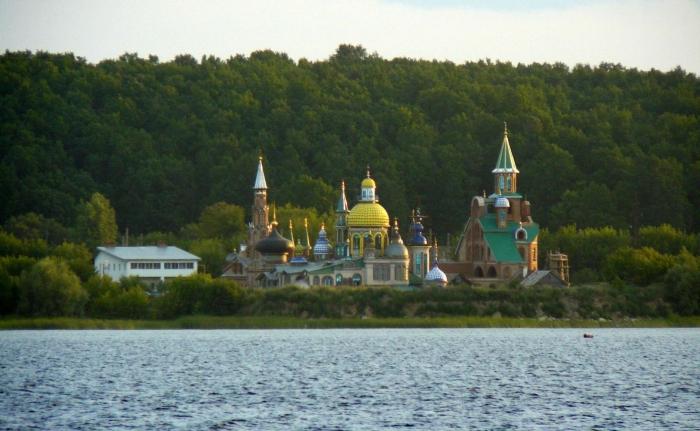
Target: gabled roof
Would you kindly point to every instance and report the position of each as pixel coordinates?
(502, 241)
(148, 253)
(506, 161)
(260, 183)
(544, 277)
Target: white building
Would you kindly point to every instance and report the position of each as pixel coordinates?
(151, 264)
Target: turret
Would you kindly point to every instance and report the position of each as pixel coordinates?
(436, 276)
(341, 224)
(418, 246)
(369, 188)
(501, 205)
(505, 172)
(322, 249)
(259, 227)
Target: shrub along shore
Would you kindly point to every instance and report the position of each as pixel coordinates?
(286, 322)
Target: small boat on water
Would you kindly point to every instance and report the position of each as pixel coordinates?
(587, 335)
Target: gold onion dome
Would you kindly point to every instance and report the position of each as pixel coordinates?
(368, 214)
(368, 183)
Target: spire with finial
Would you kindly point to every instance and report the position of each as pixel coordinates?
(274, 216)
(307, 246)
(505, 162)
(260, 183)
(291, 231)
(368, 172)
(506, 172)
(342, 206)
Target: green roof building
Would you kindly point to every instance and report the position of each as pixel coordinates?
(499, 241)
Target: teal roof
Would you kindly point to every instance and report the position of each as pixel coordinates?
(506, 194)
(506, 161)
(342, 206)
(502, 241)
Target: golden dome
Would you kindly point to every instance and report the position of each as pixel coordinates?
(368, 214)
(367, 183)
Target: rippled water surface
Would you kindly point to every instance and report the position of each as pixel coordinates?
(351, 379)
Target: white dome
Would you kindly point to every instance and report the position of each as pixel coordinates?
(436, 274)
(502, 203)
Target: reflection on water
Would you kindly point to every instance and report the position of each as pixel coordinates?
(350, 379)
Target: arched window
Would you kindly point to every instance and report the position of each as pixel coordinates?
(478, 272)
(356, 279)
(521, 234)
(356, 243)
(378, 241)
(492, 272)
(328, 281)
(338, 279)
(509, 185)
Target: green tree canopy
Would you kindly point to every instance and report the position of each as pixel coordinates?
(50, 288)
(96, 223)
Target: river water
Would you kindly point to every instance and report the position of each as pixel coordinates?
(369, 379)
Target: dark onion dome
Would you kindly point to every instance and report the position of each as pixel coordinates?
(275, 244)
(417, 237)
(396, 249)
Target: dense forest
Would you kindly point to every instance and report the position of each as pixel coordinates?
(162, 141)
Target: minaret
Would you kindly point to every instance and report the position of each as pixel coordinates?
(307, 246)
(291, 232)
(341, 223)
(505, 172)
(260, 225)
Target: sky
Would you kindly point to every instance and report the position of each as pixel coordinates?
(644, 34)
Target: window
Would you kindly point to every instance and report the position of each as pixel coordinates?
(133, 265)
(328, 281)
(316, 280)
(338, 279)
(400, 273)
(380, 271)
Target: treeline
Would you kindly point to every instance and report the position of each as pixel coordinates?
(642, 257)
(47, 290)
(652, 275)
(597, 146)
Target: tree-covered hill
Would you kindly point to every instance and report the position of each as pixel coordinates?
(595, 146)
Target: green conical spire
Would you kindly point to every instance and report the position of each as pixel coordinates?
(506, 161)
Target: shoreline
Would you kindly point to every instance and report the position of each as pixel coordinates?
(282, 322)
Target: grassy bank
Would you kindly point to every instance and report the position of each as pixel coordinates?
(280, 322)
